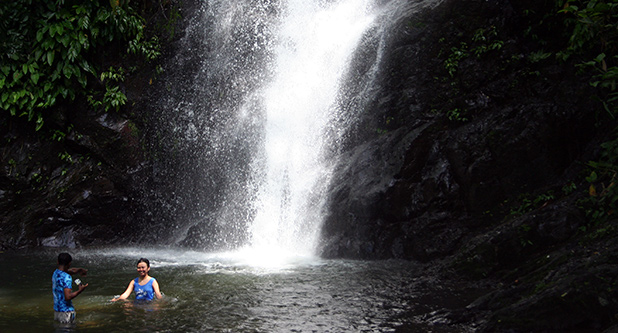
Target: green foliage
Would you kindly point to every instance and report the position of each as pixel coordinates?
(114, 74)
(584, 32)
(524, 235)
(52, 49)
(58, 135)
(529, 204)
(592, 25)
(113, 98)
(606, 78)
(170, 24)
(148, 48)
(569, 188)
(388, 121)
(538, 56)
(601, 204)
(37, 178)
(483, 41)
(66, 157)
(593, 36)
(451, 64)
(458, 115)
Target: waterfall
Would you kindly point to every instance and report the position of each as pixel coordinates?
(252, 126)
(314, 43)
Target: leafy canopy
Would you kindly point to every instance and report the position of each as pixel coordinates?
(592, 27)
(52, 50)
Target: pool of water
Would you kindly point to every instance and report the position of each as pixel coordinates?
(224, 292)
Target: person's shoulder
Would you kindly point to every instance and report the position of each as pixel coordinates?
(58, 272)
(62, 279)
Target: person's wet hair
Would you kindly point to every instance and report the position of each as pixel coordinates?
(64, 258)
(143, 260)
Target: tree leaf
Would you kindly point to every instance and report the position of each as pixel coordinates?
(35, 77)
(50, 57)
(39, 122)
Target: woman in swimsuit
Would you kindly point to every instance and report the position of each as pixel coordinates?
(145, 286)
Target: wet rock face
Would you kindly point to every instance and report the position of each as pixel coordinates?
(456, 148)
(469, 175)
(71, 189)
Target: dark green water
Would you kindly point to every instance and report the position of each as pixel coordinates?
(223, 293)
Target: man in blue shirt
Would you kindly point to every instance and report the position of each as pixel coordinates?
(62, 283)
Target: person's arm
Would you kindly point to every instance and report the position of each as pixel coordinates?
(126, 293)
(155, 287)
(69, 294)
(77, 270)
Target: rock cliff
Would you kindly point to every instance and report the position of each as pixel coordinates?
(471, 158)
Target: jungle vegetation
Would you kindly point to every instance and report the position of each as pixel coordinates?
(55, 51)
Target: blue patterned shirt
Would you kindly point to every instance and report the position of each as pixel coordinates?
(61, 280)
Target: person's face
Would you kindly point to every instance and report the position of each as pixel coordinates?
(142, 269)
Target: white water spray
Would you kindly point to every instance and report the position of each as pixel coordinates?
(259, 96)
(314, 44)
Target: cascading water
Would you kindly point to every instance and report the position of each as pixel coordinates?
(314, 42)
(256, 119)
(263, 94)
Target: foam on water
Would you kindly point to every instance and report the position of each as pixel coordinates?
(244, 260)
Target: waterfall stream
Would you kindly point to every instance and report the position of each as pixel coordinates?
(312, 47)
(256, 118)
(257, 101)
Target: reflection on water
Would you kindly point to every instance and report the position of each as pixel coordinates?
(214, 293)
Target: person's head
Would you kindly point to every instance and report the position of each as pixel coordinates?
(64, 259)
(143, 266)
